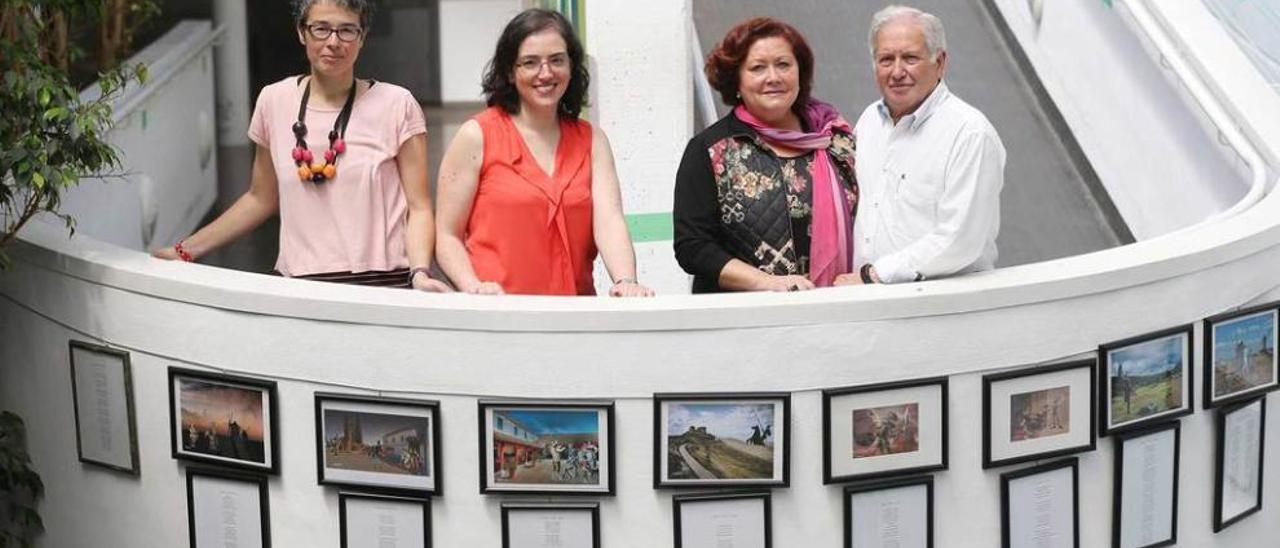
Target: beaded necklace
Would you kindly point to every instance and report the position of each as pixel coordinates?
(308, 169)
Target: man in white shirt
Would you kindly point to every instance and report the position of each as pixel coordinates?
(930, 167)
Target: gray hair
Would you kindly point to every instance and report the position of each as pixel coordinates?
(935, 37)
(362, 8)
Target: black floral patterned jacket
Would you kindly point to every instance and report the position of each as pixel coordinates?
(736, 199)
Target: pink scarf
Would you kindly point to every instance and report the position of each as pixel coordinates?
(831, 248)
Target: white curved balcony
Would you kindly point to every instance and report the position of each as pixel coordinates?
(457, 349)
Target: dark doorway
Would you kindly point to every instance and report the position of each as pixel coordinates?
(403, 46)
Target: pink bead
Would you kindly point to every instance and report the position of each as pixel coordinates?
(329, 155)
(307, 156)
(297, 154)
(339, 145)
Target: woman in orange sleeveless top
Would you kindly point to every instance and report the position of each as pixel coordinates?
(527, 190)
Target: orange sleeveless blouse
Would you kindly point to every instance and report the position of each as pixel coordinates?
(530, 232)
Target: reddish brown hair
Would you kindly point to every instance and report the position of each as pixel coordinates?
(725, 60)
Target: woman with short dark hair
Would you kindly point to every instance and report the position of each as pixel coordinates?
(528, 191)
(343, 161)
(765, 197)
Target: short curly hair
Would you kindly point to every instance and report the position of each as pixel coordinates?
(725, 60)
(363, 8)
(498, 83)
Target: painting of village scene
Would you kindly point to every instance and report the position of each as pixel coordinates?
(554, 447)
(1244, 354)
(223, 421)
(378, 448)
(887, 430)
(721, 441)
(1147, 378)
(1040, 414)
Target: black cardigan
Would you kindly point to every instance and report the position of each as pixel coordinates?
(703, 243)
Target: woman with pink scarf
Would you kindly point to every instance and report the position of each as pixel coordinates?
(765, 197)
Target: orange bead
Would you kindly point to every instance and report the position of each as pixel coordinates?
(330, 171)
(304, 173)
(317, 168)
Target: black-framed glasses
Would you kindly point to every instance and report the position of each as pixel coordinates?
(322, 31)
(532, 64)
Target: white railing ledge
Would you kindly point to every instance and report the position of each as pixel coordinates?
(1187, 252)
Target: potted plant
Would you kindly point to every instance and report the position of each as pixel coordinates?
(20, 486)
(49, 136)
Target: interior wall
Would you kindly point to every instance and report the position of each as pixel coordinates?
(42, 308)
(1126, 115)
(469, 29)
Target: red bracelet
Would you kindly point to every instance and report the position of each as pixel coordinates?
(182, 253)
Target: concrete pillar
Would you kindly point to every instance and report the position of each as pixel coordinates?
(231, 64)
(642, 97)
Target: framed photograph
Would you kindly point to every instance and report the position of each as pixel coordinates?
(1040, 506)
(564, 448)
(1240, 355)
(721, 440)
(223, 420)
(381, 444)
(546, 525)
(892, 513)
(737, 519)
(880, 430)
(1038, 413)
(227, 509)
(1238, 475)
(1145, 379)
(377, 521)
(102, 394)
(1145, 504)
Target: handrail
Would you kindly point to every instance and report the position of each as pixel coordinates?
(1172, 56)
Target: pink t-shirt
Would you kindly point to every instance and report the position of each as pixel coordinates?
(355, 222)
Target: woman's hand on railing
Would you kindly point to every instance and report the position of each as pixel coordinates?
(484, 288)
(166, 253)
(629, 288)
(423, 282)
(785, 283)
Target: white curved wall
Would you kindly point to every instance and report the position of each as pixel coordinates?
(455, 348)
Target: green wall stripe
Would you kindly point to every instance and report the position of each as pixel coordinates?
(650, 227)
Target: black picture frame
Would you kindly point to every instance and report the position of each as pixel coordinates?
(1117, 497)
(134, 467)
(271, 441)
(988, 412)
(344, 497)
(1105, 426)
(885, 484)
(678, 501)
(1221, 521)
(829, 397)
(606, 480)
(1006, 478)
(434, 465)
(781, 476)
(1209, 365)
(264, 499)
(515, 507)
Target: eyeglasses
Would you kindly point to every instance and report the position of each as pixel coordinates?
(532, 65)
(346, 33)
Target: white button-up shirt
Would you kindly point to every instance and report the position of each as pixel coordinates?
(929, 190)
